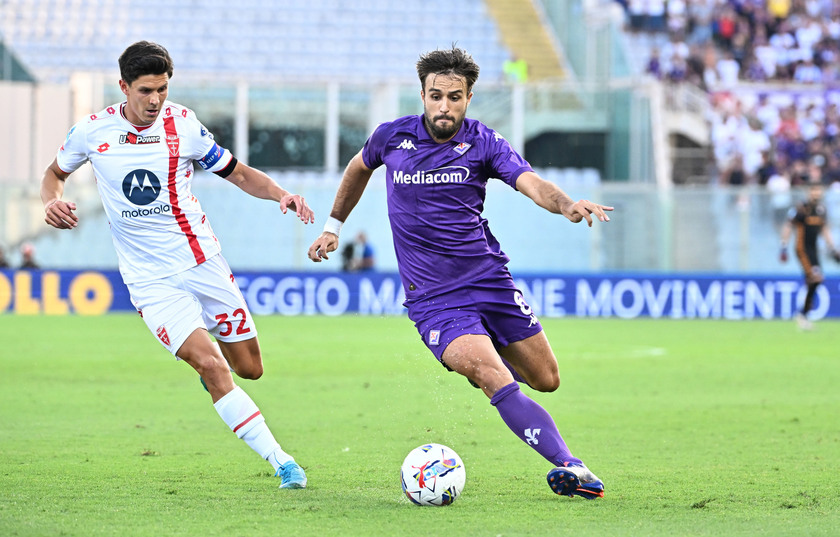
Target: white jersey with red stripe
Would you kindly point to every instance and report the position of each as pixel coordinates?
(144, 177)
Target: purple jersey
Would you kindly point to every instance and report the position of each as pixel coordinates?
(435, 198)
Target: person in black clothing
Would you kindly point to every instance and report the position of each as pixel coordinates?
(27, 253)
(808, 221)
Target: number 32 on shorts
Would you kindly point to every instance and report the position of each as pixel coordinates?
(227, 325)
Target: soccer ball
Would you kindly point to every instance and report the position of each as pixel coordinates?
(433, 474)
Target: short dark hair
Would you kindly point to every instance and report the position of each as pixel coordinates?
(144, 58)
(454, 61)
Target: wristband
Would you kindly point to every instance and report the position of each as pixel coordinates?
(333, 226)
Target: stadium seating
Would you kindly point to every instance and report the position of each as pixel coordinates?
(251, 39)
(741, 52)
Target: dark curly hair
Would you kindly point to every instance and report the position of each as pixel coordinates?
(454, 61)
(144, 58)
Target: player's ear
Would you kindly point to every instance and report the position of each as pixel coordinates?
(124, 87)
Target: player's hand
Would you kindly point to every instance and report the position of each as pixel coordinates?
(582, 209)
(326, 243)
(783, 255)
(59, 214)
(835, 254)
(299, 206)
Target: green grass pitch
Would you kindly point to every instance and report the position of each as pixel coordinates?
(696, 428)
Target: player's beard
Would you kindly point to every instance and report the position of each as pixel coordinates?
(440, 133)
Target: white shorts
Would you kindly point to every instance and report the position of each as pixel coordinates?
(204, 296)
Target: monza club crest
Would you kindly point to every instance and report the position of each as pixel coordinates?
(162, 335)
(174, 143)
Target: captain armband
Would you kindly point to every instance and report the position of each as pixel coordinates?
(227, 170)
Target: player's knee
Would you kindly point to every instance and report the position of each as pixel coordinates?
(212, 365)
(546, 383)
(252, 371)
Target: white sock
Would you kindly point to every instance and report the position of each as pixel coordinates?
(243, 417)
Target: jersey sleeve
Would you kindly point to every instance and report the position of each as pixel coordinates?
(73, 152)
(503, 161)
(373, 152)
(209, 155)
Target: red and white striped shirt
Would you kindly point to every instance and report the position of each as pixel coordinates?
(144, 175)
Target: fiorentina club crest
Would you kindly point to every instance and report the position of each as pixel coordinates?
(461, 148)
(162, 335)
(434, 337)
(173, 142)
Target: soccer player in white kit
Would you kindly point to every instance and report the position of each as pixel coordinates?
(143, 152)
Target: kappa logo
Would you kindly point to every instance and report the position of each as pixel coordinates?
(497, 136)
(162, 335)
(531, 436)
(141, 187)
(434, 337)
(407, 144)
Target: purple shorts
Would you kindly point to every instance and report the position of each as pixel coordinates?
(492, 306)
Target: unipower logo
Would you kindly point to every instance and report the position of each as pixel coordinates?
(137, 139)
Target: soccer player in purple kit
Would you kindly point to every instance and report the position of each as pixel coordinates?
(458, 290)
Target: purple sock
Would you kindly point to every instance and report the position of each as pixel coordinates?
(532, 424)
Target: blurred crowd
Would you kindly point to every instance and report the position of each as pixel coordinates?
(27, 258)
(772, 70)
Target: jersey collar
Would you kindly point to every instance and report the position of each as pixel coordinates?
(138, 128)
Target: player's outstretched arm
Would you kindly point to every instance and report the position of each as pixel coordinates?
(260, 185)
(785, 237)
(59, 214)
(353, 184)
(552, 198)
